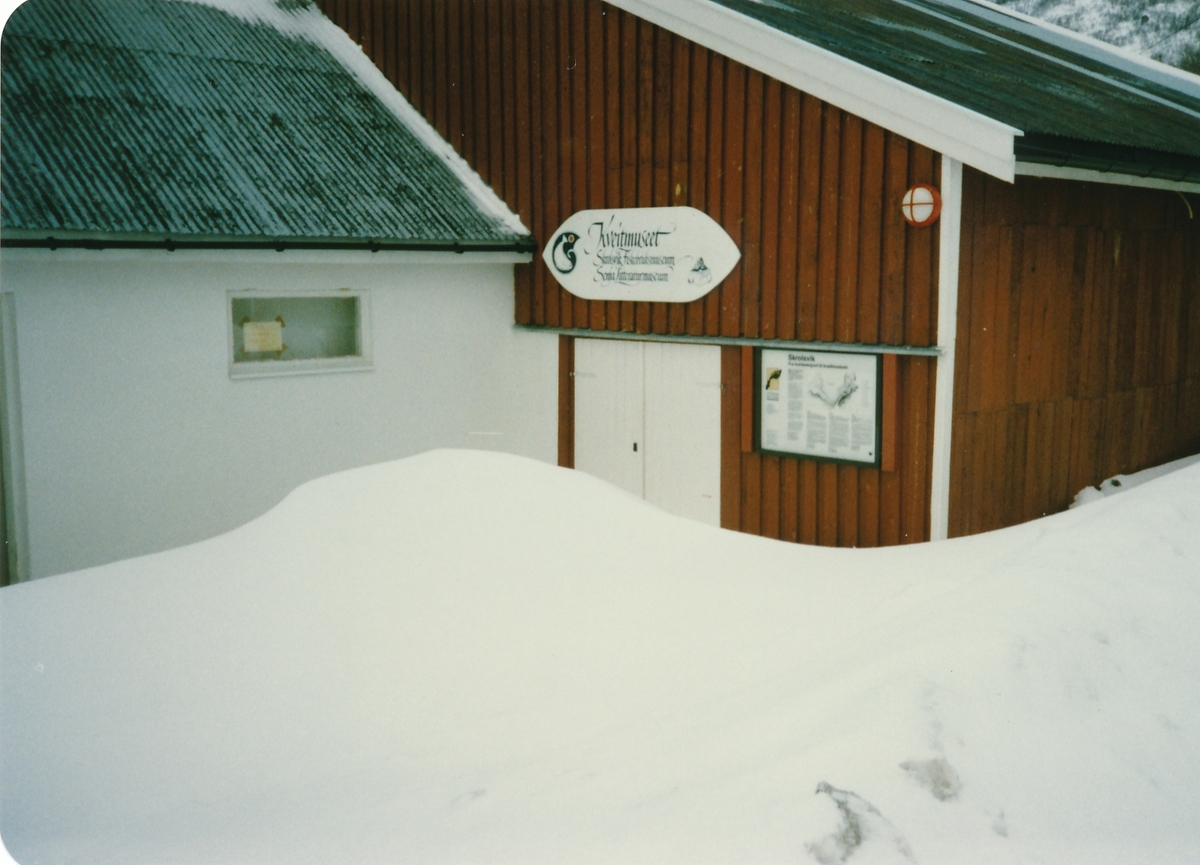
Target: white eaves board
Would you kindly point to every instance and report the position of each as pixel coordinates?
(944, 126)
(1087, 175)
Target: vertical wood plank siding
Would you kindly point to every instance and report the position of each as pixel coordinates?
(1078, 343)
(563, 105)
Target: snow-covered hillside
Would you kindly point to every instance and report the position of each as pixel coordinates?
(1166, 30)
(469, 657)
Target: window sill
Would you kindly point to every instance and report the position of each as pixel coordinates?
(275, 368)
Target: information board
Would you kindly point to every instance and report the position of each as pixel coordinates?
(818, 404)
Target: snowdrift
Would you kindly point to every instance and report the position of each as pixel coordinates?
(470, 657)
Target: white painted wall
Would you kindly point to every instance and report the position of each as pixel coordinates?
(137, 440)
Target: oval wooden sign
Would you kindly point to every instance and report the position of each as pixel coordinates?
(673, 254)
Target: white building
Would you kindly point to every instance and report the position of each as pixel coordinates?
(182, 187)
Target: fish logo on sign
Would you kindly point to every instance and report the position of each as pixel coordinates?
(668, 254)
(562, 256)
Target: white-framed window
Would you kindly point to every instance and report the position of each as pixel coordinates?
(298, 332)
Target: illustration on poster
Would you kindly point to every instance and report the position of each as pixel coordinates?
(835, 398)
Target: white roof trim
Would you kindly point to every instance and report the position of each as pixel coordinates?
(1062, 172)
(944, 126)
(357, 258)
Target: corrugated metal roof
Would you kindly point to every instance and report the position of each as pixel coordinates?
(152, 119)
(1078, 103)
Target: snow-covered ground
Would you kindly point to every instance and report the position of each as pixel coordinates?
(466, 657)
(470, 657)
(1122, 483)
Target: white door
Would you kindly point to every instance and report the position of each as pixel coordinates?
(648, 419)
(609, 421)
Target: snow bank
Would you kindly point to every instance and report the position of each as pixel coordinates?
(1121, 483)
(470, 657)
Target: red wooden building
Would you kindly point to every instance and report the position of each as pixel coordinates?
(1042, 335)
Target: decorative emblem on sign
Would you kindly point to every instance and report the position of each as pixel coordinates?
(646, 253)
(563, 255)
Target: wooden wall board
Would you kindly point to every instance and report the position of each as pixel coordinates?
(895, 242)
(811, 113)
(808, 502)
(566, 401)
(751, 184)
(828, 224)
(1187, 417)
(747, 407)
(751, 484)
(789, 500)
(870, 233)
(732, 192)
(771, 204)
(848, 506)
(850, 201)
(889, 436)
(770, 485)
(731, 429)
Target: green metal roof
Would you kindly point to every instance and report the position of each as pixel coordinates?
(163, 122)
(1079, 104)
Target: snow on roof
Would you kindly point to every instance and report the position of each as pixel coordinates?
(223, 122)
(474, 657)
(302, 19)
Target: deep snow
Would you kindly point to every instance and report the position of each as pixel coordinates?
(472, 657)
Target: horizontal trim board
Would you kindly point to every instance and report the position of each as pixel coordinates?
(1110, 158)
(278, 368)
(457, 247)
(941, 125)
(850, 347)
(1063, 172)
(361, 257)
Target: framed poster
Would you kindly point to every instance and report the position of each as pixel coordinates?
(823, 405)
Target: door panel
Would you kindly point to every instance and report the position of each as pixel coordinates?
(683, 429)
(609, 418)
(665, 398)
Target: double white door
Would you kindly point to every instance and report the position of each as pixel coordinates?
(648, 419)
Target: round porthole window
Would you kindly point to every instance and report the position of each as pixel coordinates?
(921, 206)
